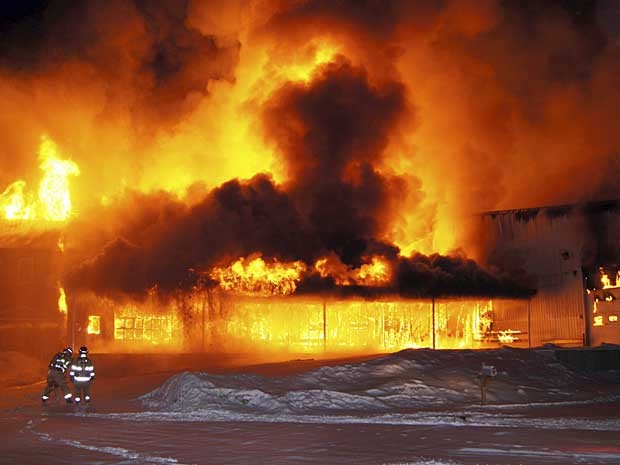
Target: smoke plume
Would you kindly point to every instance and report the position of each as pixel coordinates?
(207, 131)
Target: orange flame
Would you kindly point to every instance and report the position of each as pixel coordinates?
(256, 277)
(606, 281)
(94, 324)
(62, 301)
(53, 202)
(376, 273)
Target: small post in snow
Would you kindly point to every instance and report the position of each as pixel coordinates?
(486, 374)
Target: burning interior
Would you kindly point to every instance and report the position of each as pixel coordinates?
(218, 321)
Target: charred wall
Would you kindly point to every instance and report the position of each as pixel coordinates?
(29, 293)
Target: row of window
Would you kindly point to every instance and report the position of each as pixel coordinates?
(599, 320)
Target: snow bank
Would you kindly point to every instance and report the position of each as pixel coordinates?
(399, 383)
(376, 386)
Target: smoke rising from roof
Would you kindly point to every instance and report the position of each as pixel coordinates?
(332, 133)
(428, 112)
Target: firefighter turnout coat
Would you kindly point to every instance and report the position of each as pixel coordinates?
(56, 375)
(82, 373)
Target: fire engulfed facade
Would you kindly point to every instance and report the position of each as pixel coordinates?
(568, 251)
(221, 321)
(576, 301)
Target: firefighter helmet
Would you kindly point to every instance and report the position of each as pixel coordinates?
(68, 350)
(83, 350)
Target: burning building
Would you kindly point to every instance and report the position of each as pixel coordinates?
(221, 320)
(33, 303)
(301, 176)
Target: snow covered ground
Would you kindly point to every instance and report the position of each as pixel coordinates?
(417, 407)
(405, 381)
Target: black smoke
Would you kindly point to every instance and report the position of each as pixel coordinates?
(332, 135)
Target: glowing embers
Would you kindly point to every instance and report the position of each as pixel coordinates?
(62, 301)
(376, 273)
(132, 325)
(94, 324)
(257, 277)
(53, 202)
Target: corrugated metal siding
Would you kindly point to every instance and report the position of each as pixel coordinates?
(548, 247)
(557, 314)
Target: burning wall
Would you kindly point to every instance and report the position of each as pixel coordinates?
(219, 322)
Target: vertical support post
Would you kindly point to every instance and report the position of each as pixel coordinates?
(529, 323)
(204, 328)
(324, 327)
(433, 317)
(72, 310)
(587, 313)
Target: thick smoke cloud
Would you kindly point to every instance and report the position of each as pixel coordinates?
(437, 275)
(331, 133)
(160, 248)
(515, 100)
(432, 112)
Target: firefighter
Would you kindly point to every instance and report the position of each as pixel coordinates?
(56, 375)
(82, 373)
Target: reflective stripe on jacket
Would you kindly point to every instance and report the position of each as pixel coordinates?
(82, 369)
